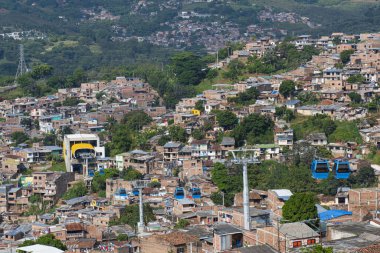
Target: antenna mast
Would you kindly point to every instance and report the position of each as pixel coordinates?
(22, 68)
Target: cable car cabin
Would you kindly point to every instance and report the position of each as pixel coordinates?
(91, 173)
(179, 193)
(342, 169)
(135, 192)
(196, 193)
(320, 169)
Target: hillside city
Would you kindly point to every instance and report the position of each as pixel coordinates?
(108, 167)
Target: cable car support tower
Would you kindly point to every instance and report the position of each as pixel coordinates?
(22, 68)
(240, 157)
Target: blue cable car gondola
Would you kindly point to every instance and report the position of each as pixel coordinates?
(196, 193)
(342, 169)
(320, 169)
(135, 192)
(179, 193)
(91, 173)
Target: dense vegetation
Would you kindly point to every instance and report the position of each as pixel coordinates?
(300, 207)
(283, 57)
(131, 216)
(274, 175)
(255, 129)
(48, 240)
(336, 131)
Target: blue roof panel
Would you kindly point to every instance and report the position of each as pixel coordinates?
(331, 214)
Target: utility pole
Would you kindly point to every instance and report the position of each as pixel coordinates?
(243, 160)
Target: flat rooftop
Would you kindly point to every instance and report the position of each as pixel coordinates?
(79, 137)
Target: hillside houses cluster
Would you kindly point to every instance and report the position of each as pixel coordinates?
(91, 223)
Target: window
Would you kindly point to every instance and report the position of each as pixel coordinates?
(297, 244)
(181, 250)
(310, 241)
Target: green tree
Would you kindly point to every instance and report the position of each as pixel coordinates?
(154, 184)
(198, 134)
(135, 120)
(181, 224)
(100, 95)
(131, 216)
(337, 40)
(130, 174)
(217, 198)
(284, 113)
(316, 123)
(50, 139)
(48, 240)
(287, 88)
(199, 105)
(122, 237)
(345, 55)
(356, 79)
(163, 140)
(35, 198)
(226, 119)
(41, 71)
(211, 74)
(77, 190)
(317, 249)
(65, 131)
(121, 140)
(364, 177)
(254, 128)
(19, 137)
(300, 207)
(27, 123)
(99, 181)
(72, 101)
(177, 133)
(308, 98)
(188, 68)
(235, 69)
(355, 97)
(246, 98)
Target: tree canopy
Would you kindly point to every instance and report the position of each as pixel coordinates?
(254, 128)
(316, 123)
(226, 119)
(356, 79)
(77, 190)
(247, 97)
(19, 137)
(300, 207)
(346, 55)
(188, 68)
(287, 88)
(131, 216)
(135, 120)
(48, 240)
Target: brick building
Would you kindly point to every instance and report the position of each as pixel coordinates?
(172, 242)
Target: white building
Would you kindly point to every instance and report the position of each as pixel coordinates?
(81, 152)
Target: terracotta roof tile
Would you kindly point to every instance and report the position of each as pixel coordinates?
(370, 249)
(177, 238)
